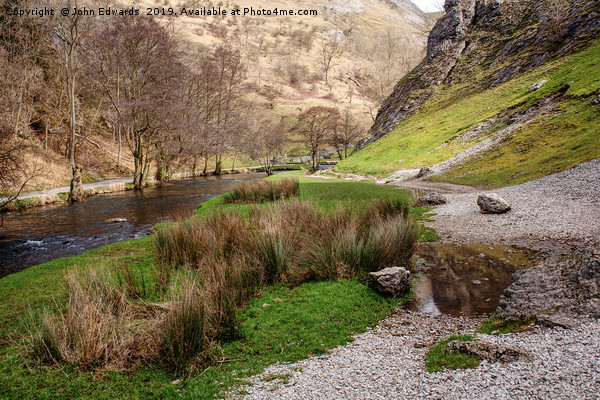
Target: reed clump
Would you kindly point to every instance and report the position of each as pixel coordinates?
(207, 268)
(263, 191)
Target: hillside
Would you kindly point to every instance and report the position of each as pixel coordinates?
(470, 111)
(379, 42)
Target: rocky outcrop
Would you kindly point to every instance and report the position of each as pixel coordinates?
(554, 291)
(489, 351)
(537, 85)
(393, 281)
(491, 203)
(498, 39)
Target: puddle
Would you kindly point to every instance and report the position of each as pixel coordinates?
(465, 279)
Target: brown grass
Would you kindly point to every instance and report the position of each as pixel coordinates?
(227, 259)
(262, 191)
(91, 331)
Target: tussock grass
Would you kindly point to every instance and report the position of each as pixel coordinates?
(262, 191)
(91, 331)
(183, 330)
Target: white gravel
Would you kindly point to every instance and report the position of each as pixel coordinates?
(560, 209)
(385, 364)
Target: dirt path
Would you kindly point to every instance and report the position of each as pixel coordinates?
(65, 189)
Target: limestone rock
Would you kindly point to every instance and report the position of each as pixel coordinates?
(489, 351)
(116, 220)
(492, 204)
(431, 199)
(393, 281)
(423, 172)
(537, 85)
(555, 292)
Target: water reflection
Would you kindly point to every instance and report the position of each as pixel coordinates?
(465, 279)
(50, 232)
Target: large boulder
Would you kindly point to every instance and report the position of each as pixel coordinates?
(491, 203)
(431, 199)
(392, 281)
(537, 85)
(423, 172)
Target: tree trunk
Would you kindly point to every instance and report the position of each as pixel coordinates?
(161, 173)
(314, 162)
(76, 193)
(205, 171)
(194, 166)
(218, 166)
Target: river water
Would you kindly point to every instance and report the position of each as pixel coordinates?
(50, 232)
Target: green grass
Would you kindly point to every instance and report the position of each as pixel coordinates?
(498, 326)
(550, 144)
(438, 359)
(313, 318)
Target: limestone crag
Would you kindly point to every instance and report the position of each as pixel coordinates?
(499, 39)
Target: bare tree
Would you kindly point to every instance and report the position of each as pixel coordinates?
(347, 133)
(71, 31)
(24, 50)
(230, 90)
(315, 126)
(266, 143)
(141, 75)
(329, 50)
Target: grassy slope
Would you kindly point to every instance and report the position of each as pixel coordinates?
(550, 144)
(315, 317)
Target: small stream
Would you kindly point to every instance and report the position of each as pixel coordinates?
(40, 235)
(465, 279)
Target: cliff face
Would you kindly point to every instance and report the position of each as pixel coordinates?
(487, 43)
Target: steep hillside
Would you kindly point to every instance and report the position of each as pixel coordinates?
(379, 42)
(470, 111)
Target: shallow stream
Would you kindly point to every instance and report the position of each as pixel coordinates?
(51, 232)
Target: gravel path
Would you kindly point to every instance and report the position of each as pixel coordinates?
(560, 210)
(388, 363)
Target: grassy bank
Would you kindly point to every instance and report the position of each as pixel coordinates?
(279, 324)
(551, 143)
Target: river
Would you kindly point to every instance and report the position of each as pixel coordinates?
(46, 233)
